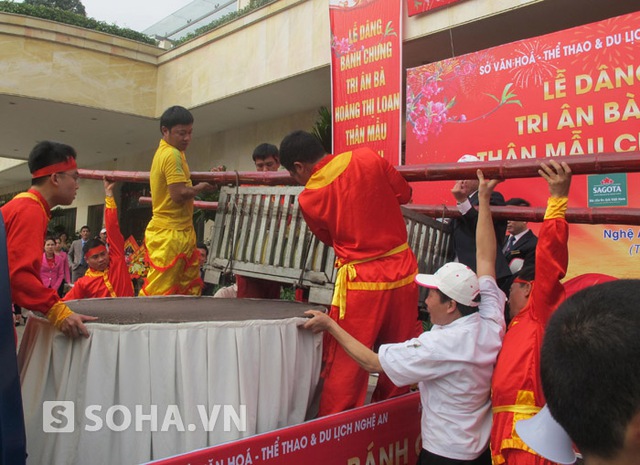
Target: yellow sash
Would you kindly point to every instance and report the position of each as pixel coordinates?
(524, 409)
(347, 273)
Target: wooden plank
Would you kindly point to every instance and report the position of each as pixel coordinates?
(280, 233)
(275, 212)
(244, 242)
(255, 224)
(302, 245)
(296, 218)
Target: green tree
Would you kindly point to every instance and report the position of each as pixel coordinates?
(74, 6)
(322, 129)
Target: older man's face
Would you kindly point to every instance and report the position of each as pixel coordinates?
(469, 186)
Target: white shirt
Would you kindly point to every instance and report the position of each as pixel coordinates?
(453, 365)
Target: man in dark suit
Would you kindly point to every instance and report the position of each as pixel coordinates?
(464, 229)
(77, 262)
(520, 245)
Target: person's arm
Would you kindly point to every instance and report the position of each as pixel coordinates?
(552, 255)
(485, 233)
(175, 170)
(319, 231)
(470, 214)
(317, 227)
(118, 269)
(180, 193)
(398, 183)
(111, 224)
(364, 356)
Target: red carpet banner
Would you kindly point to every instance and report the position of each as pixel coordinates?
(384, 432)
(565, 94)
(366, 69)
(415, 7)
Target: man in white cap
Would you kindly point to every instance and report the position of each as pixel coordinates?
(464, 229)
(452, 363)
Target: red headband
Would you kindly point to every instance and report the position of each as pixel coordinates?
(521, 281)
(95, 251)
(68, 164)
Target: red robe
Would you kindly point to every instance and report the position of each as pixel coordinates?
(26, 217)
(115, 281)
(516, 386)
(352, 202)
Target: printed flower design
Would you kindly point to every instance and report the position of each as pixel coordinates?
(341, 46)
(425, 113)
(429, 109)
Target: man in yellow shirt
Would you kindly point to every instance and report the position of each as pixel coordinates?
(170, 237)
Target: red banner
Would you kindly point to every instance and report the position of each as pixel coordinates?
(366, 73)
(384, 432)
(564, 94)
(415, 7)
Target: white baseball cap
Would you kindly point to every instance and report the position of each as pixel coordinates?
(455, 280)
(466, 158)
(103, 231)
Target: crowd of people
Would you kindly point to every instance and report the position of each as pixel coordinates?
(477, 368)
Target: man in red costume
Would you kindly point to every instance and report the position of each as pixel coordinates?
(54, 182)
(516, 386)
(352, 202)
(108, 274)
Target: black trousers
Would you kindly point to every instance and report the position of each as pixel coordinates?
(428, 458)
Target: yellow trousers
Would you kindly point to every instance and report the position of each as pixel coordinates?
(173, 262)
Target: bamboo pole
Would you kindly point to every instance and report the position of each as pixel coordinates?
(604, 215)
(628, 216)
(118, 176)
(602, 163)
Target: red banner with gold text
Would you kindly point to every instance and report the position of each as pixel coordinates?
(565, 94)
(384, 432)
(366, 75)
(415, 7)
